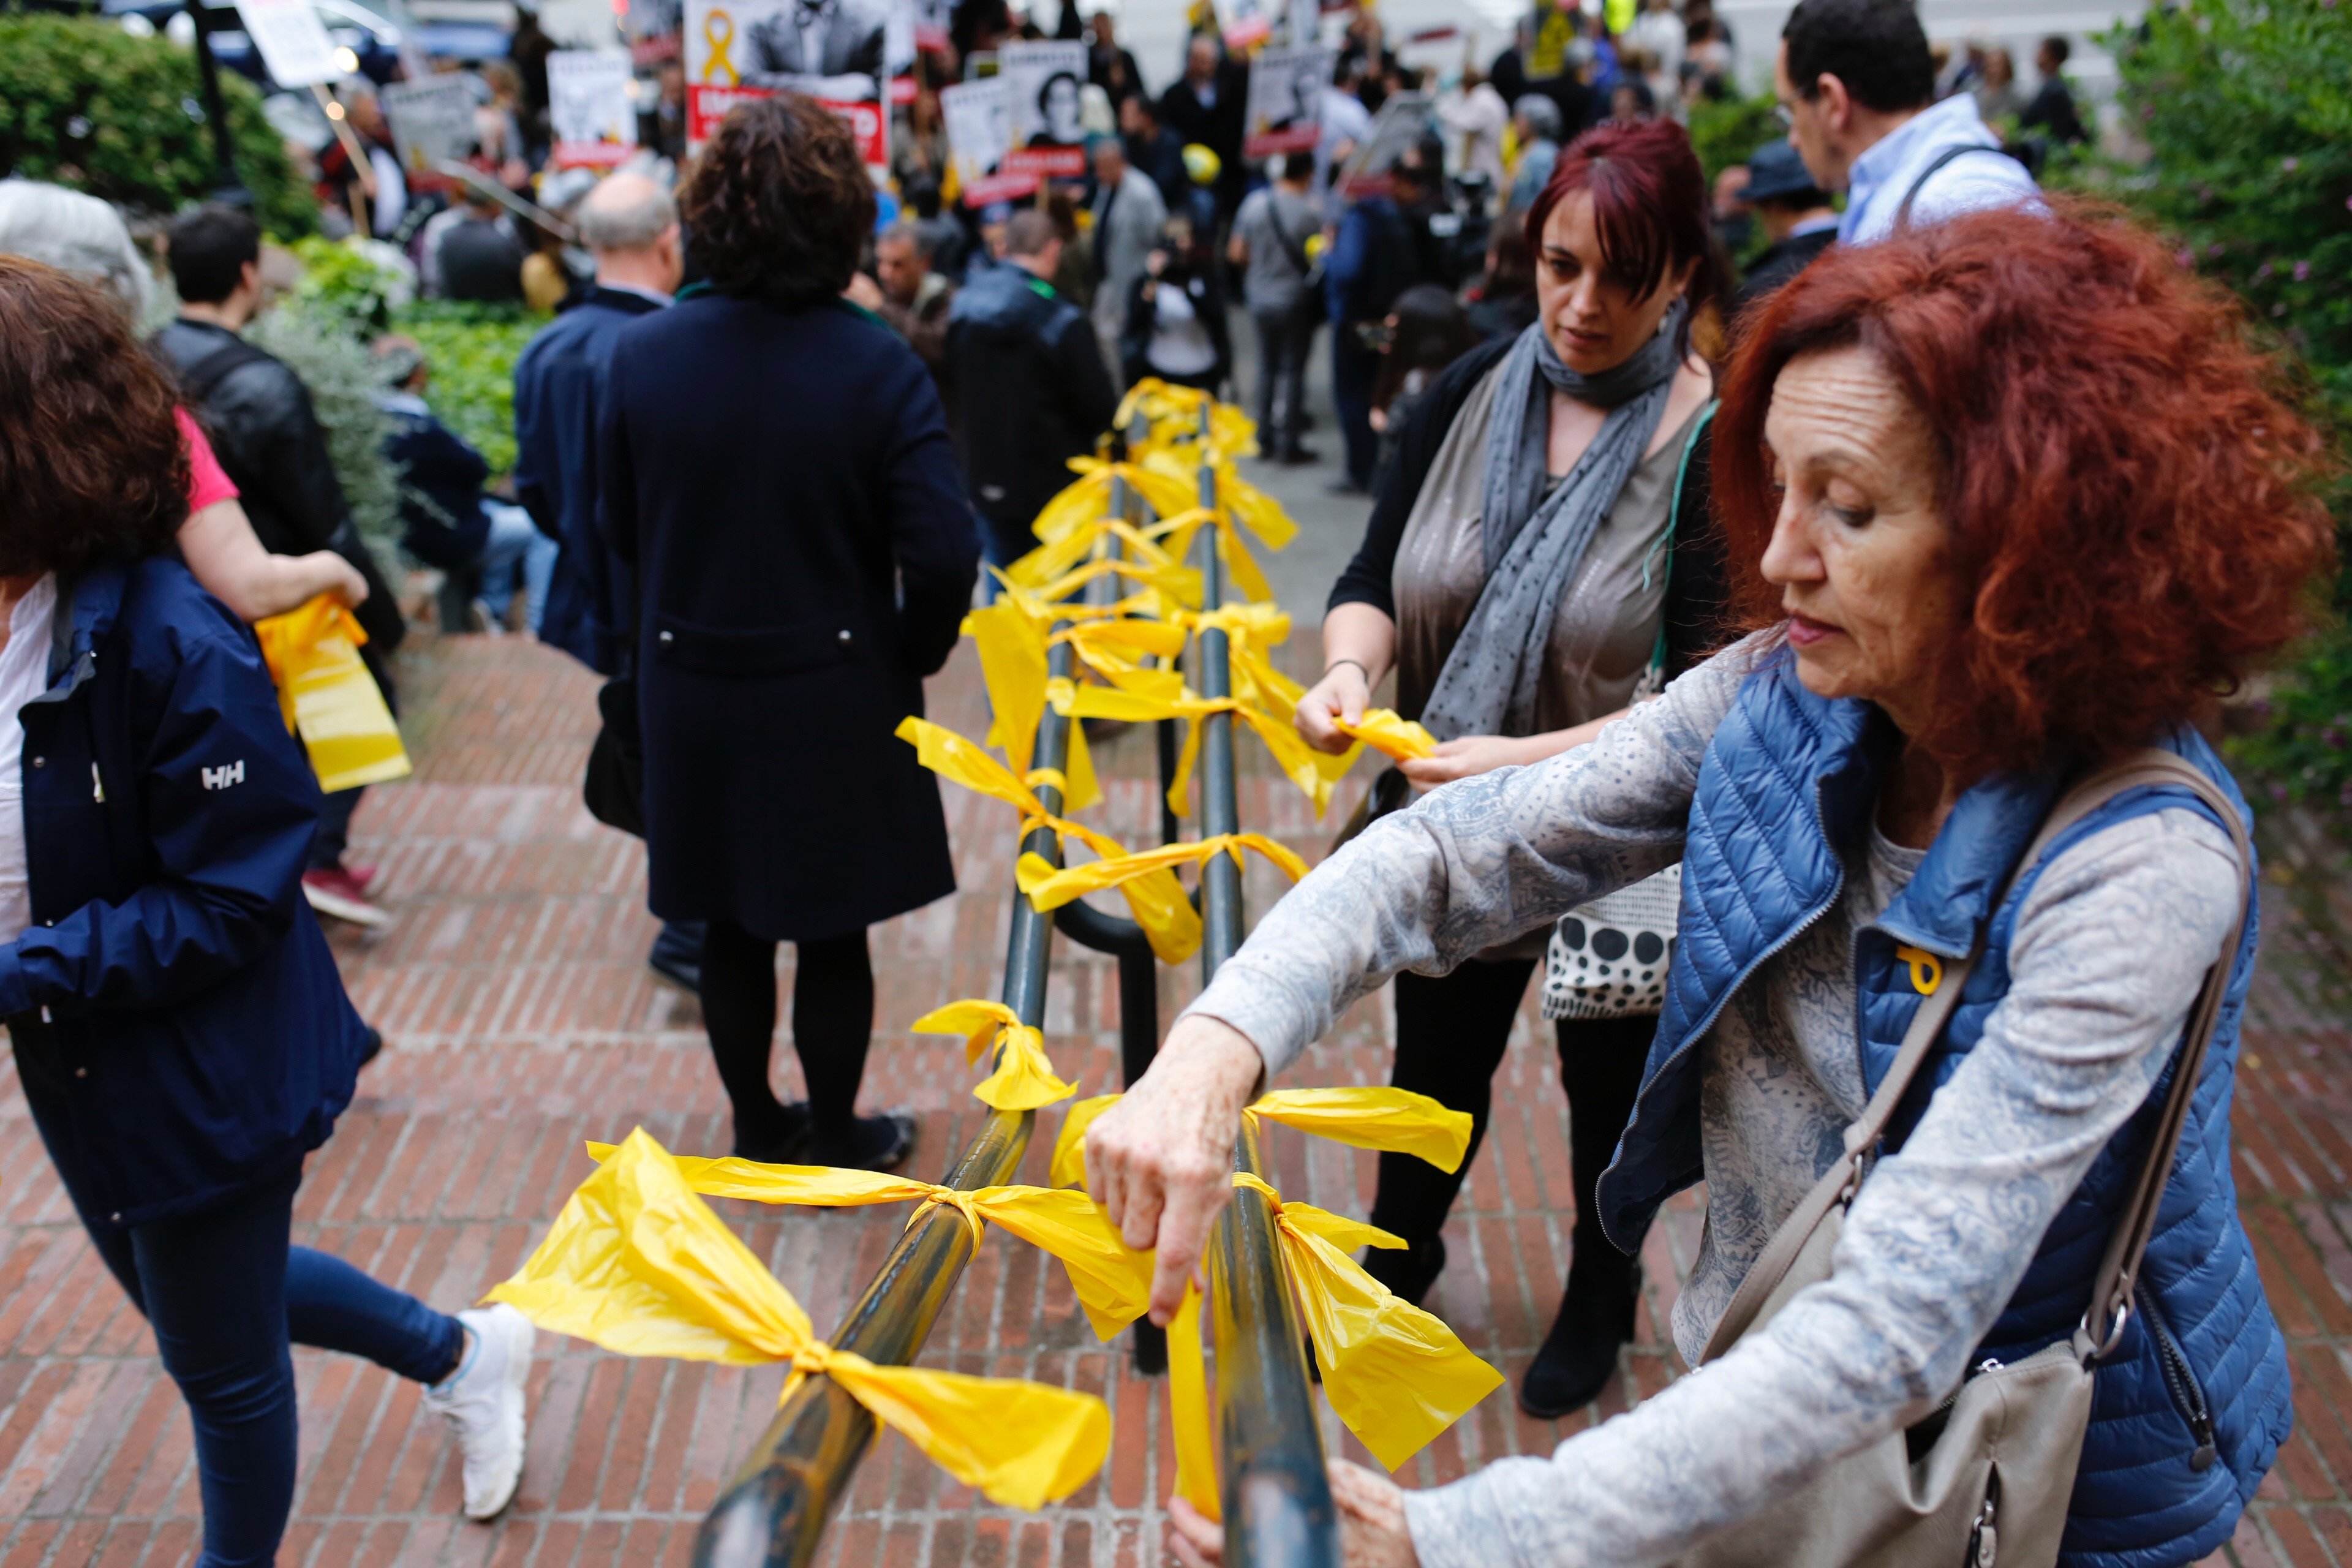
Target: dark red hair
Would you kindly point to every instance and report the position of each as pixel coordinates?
(2128, 488)
(1649, 203)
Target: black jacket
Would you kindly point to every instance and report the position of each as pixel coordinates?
(1143, 319)
(441, 495)
(268, 439)
(1217, 126)
(1778, 264)
(1697, 592)
(780, 482)
(1025, 376)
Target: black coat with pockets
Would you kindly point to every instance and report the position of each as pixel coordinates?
(782, 482)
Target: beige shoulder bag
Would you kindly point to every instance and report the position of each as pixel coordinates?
(1996, 1462)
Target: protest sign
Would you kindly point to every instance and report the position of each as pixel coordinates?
(833, 51)
(1286, 100)
(927, 22)
(1045, 80)
(432, 123)
(592, 104)
(294, 44)
(1398, 125)
(979, 119)
(1250, 26)
(1305, 18)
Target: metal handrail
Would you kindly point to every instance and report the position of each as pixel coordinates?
(773, 1511)
(1275, 1493)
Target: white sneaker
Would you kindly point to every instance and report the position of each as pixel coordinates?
(483, 1399)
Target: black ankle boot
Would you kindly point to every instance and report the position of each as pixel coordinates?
(1579, 1357)
(1409, 1271)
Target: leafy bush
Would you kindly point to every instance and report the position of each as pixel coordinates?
(471, 351)
(359, 281)
(1725, 131)
(83, 103)
(2246, 109)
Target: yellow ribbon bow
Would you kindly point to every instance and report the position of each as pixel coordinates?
(1049, 887)
(1362, 1116)
(637, 1264)
(1315, 772)
(1395, 1376)
(1393, 737)
(1011, 647)
(1171, 414)
(1113, 1282)
(1080, 512)
(327, 696)
(1023, 1078)
(1157, 899)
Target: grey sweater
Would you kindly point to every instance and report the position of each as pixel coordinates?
(2107, 955)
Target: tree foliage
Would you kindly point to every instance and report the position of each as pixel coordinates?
(83, 103)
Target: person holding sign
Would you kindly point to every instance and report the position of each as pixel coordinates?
(775, 471)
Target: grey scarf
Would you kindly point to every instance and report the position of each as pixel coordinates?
(1535, 543)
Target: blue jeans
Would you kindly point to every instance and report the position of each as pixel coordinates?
(514, 541)
(226, 1293)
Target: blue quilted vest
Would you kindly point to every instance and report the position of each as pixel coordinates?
(2192, 1405)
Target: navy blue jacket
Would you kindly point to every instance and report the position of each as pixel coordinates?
(782, 483)
(1788, 776)
(179, 1025)
(558, 382)
(1025, 374)
(442, 520)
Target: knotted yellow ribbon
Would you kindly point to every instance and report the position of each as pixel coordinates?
(1112, 1281)
(1024, 1079)
(1315, 772)
(327, 696)
(1157, 899)
(1049, 889)
(1364, 1116)
(637, 1264)
(1393, 737)
(1173, 419)
(1395, 1376)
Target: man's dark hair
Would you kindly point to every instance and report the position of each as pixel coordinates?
(1875, 46)
(208, 247)
(1299, 165)
(1802, 201)
(779, 204)
(1029, 233)
(2057, 47)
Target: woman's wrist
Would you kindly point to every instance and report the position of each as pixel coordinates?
(1358, 664)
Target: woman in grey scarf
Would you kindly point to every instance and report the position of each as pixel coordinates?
(1524, 574)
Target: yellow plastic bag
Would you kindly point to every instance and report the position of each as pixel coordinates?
(1049, 887)
(1393, 737)
(1362, 1116)
(329, 696)
(639, 1264)
(1113, 1282)
(1157, 900)
(1023, 1078)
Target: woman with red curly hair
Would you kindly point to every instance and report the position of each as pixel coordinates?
(2008, 499)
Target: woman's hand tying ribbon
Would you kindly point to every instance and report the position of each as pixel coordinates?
(1022, 1079)
(1111, 1280)
(638, 1264)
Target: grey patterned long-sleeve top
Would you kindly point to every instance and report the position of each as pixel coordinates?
(2107, 954)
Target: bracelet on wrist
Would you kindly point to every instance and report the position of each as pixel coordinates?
(1357, 662)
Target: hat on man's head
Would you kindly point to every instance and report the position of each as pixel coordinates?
(1775, 170)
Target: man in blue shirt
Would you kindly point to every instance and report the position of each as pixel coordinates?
(630, 224)
(1857, 88)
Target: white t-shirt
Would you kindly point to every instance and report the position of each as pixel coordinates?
(23, 675)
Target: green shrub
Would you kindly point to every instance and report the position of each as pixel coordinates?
(360, 282)
(83, 103)
(1725, 132)
(471, 351)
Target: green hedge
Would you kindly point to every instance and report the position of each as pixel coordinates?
(83, 103)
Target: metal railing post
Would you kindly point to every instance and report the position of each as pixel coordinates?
(1276, 1495)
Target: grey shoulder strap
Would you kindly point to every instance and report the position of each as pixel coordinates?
(2112, 1286)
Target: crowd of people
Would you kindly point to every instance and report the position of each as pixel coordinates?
(1781, 631)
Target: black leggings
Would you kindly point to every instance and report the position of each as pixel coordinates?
(1451, 1032)
(833, 1020)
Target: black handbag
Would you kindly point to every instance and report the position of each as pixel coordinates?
(614, 785)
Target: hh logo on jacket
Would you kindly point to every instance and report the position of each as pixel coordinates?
(222, 777)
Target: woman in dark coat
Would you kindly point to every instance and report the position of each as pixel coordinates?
(778, 470)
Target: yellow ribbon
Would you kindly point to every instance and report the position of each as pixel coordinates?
(1395, 1376)
(1024, 1079)
(1113, 1282)
(1157, 900)
(1050, 887)
(1927, 969)
(719, 44)
(637, 1264)
(327, 695)
(1315, 772)
(1385, 732)
(1362, 1116)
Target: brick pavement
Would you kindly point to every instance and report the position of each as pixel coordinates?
(521, 1019)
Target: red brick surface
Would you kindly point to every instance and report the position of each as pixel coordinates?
(521, 1019)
